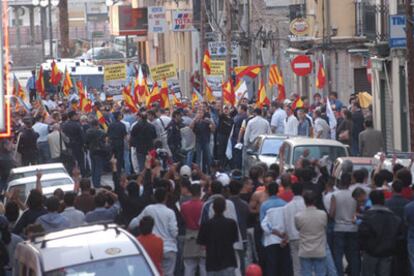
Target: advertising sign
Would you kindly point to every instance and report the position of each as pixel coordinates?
(182, 20)
(157, 22)
(398, 37)
(163, 71)
(299, 27)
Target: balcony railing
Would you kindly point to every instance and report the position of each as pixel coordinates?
(371, 21)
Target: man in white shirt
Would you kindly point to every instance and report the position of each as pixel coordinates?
(165, 227)
(42, 142)
(291, 122)
(255, 127)
(321, 127)
(56, 140)
(278, 120)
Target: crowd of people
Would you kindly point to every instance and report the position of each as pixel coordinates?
(194, 209)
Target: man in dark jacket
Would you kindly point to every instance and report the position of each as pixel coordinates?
(379, 233)
(116, 133)
(143, 135)
(357, 127)
(174, 135)
(73, 130)
(27, 143)
(218, 236)
(95, 142)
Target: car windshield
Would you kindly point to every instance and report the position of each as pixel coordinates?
(33, 173)
(24, 189)
(271, 147)
(317, 152)
(126, 266)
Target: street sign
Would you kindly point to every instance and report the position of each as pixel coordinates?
(302, 65)
(398, 37)
(219, 49)
(157, 22)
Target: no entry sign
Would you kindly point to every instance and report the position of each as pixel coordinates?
(302, 65)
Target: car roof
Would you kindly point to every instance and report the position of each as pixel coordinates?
(81, 245)
(31, 179)
(300, 141)
(37, 167)
(357, 160)
(275, 136)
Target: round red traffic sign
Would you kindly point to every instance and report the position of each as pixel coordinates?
(302, 65)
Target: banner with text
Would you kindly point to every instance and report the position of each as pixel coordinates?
(218, 67)
(182, 20)
(163, 71)
(115, 72)
(157, 22)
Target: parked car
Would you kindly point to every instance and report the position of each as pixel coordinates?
(313, 149)
(86, 250)
(100, 54)
(50, 182)
(27, 171)
(264, 149)
(357, 163)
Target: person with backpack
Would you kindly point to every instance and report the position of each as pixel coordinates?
(379, 233)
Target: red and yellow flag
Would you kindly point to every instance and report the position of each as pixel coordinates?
(155, 95)
(55, 74)
(321, 77)
(194, 98)
(249, 71)
(297, 103)
(262, 98)
(18, 89)
(67, 83)
(176, 102)
(208, 94)
(207, 62)
(165, 100)
(101, 120)
(128, 100)
(40, 83)
(276, 78)
(228, 93)
(84, 103)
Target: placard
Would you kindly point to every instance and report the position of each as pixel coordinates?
(163, 71)
(115, 72)
(157, 22)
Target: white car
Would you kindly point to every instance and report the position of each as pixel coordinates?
(27, 171)
(50, 182)
(86, 250)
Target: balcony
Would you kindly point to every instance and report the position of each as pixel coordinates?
(371, 21)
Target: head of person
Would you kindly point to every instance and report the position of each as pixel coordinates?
(405, 176)
(360, 196)
(333, 96)
(270, 176)
(100, 199)
(85, 185)
(242, 109)
(52, 204)
(368, 123)
(309, 198)
(297, 189)
(151, 115)
(73, 115)
(397, 186)
(377, 197)
(272, 189)
(235, 187)
(247, 185)
(146, 225)
(195, 190)
(358, 176)
(379, 180)
(216, 187)
(285, 180)
(256, 172)
(160, 195)
(317, 98)
(11, 211)
(345, 180)
(177, 115)
(117, 115)
(95, 123)
(34, 200)
(301, 114)
(396, 168)
(258, 112)
(185, 185)
(219, 206)
(69, 199)
(317, 113)
(347, 114)
(33, 73)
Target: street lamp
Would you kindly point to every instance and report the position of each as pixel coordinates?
(44, 4)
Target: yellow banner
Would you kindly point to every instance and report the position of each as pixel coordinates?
(163, 71)
(218, 67)
(115, 72)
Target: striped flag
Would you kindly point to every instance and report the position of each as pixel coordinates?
(55, 74)
(276, 79)
(207, 62)
(67, 83)
(155, 95)
(128, 100)
(208, 94)
(228, 93)
(101, 120)
(262, 98)
(248, 71)
(84, 103)
(321, 77)
(165, 101)
(297, 103)
(40, 83)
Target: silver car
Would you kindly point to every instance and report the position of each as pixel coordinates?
(264, 149)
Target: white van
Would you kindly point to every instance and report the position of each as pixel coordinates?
(86, 250)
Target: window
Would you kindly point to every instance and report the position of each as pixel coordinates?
(317, 152)
(271, 147)
(286, 153)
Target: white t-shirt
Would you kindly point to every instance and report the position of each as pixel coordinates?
(278, 121)
(291, 125)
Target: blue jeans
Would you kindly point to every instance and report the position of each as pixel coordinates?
(97, 163)
(410, 246)
(189, 158)
(309, 266)
(141, 161)
(203, 156)
(44, 152)
(127, 161)
(347, 243)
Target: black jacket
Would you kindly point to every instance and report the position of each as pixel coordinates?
(95, 141)
(174, 136)
(73, 130)
(117, 132)
(143, 135)
(380, 231)
(28, 142)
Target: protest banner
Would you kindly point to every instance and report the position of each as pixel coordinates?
(163, 71)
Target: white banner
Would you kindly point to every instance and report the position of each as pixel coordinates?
(157, 21)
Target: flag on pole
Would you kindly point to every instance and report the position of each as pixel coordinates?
(297, 103)
(55, 74)
(228, 93)
(101, 120)
(276, 78)
(177, 102)
(84, 103)
(18, 89)
(249, 71)
(155, 95)
(40, 83)
(128, 100)
(332, 119)
(165, 100)
(208, 94)
(67, 83)
(207, 62)
(321, 77)
(262, 98)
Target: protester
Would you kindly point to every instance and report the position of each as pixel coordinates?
(53, 221)
(370, 140)
(96, 144)
(116, 134)
(27, 143)
(75, 217)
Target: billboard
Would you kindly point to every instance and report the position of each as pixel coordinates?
(182, 20)
(128, 21)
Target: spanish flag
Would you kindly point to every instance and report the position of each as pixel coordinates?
(55, 74)
(67, 83)
(176, 102)
(128, 100)
(194, 98)
(208, 94)
(321, 77)
(40, 83)
(262, 98)
(84, 103)
(165, 101)
(228, 93)
(155, 95)
(297, 103)
(18, 89)
(276, 78)
(101, 120)
(249, 71)
(207, 62)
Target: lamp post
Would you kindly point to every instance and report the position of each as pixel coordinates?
(47, 4)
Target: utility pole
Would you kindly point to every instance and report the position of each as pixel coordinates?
(202, 42)
(410, 66)
(228, 38)
(64, 27)
(50, 31)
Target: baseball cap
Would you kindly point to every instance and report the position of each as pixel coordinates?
(223, 178)
(185, 171)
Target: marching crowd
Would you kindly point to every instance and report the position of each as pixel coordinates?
(180, 187)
